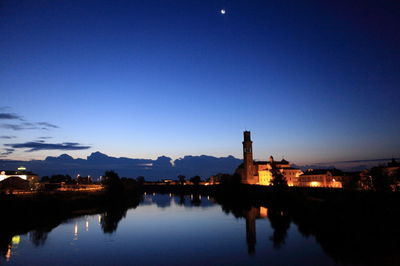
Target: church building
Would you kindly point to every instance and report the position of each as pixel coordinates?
(260, 172)
(21, 173)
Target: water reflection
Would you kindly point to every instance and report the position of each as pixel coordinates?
(75, 232)
(251, 216)
(39, 236)
(110, 219)
(8, 245)
(280, 223)
(334, 238)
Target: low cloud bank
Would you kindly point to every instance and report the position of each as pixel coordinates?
(97, 163)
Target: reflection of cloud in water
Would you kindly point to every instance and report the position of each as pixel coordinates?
(169, 200)
(160, 200)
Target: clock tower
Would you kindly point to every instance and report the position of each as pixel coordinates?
(248, 163)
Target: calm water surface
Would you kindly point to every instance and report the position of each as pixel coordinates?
(169, 230)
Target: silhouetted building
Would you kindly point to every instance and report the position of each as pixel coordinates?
(260, 172)
(216, 179)
(84, 179)
(394, 164)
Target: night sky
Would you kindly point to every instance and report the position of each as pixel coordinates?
(314, 81)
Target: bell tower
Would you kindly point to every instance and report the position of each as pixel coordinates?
(248, 164)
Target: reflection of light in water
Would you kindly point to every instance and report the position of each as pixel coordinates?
(191, 196)
(76, 231)
(145, 193)
(263, 212)
(154, 194)
(99, 216)
(208, 197)
(170, 194)
(200, 197)
(87, 226)
(15, 240)
(8, 254)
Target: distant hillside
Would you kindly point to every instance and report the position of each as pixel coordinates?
(97, 163)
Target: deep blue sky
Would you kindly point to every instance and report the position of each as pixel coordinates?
(314, 81)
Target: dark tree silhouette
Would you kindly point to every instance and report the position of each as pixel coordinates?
(60, 178)
(380, 179)
(111, 219)
(278, 179)
(230, 180)
(38, 237)
(181, 179)
(181, 199)
(351, 180)
(140, 180)
(196, 201)
(280, 222)
(396, 178)
(45, 179)
(195, 180)
(112, 183)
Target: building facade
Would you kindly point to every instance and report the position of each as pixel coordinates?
(21, 173)
(331, 178)
(260, 172)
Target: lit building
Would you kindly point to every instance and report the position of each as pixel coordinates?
(260, 172)
(21, 173)
(321, 178)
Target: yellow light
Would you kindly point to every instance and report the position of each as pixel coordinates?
(15, 240)
(21, 168)
(263, 212)
(76, 232)
(314, 184)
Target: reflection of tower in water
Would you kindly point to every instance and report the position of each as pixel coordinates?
(251, 229)
(251, 216)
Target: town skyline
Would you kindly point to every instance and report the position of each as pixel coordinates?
(44, 145)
